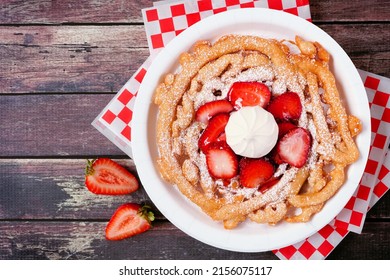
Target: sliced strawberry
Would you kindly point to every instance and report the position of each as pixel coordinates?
(249, 94)
(275, 157)
(128, 220)
(285, 127)
(221, 137)
(213, 131)
(210, 109)
(222, 162)
(269, 184)
(286, 106)
(104, 176)
(294, 147)
(254, 172)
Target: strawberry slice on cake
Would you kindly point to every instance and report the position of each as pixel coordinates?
(249, 94)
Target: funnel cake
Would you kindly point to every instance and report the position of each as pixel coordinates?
(315, 142)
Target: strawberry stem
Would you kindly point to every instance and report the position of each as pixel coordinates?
(89, 168)
(146, 213)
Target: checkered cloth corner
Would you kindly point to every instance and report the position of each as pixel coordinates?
(316, 247)
(378, 92)
(353, 215)
(322, 243)
(115, 120)
(165, 22)
(374, 184)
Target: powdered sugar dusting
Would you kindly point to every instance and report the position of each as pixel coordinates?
(203, 89)
(223, 84)
(208, 74)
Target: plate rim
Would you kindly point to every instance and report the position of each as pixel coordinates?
(140, 122)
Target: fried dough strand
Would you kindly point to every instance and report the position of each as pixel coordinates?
(205, 74)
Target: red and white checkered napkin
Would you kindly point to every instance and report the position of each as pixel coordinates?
(321, 244)
(374, 184)
(166, 20)
(378, 91)
(114, 121)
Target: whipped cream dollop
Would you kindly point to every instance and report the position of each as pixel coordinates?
(251, 132)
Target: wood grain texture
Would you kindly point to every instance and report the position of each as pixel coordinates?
(71, 11)
(372, 244)
(76, 59)
(349, 11)
(53, 125)
(61, 62)
(124, 11)
(69, 59)
(54, 189)
(85, 240)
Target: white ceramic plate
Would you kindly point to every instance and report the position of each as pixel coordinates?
(248, 237)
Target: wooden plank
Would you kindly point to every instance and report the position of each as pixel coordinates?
(72, 11)
(85, 240)
(357, 39)
(113, 37)
(62, 193)
(372, 244)
(342, 11)
(54, 189)
(53, 125)
(68, 59)
(121, 11)
(381, 209)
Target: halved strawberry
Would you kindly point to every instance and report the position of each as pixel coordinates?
(210, 109)
(269, 184)
(128, 220)
(286, 106)
(249, 94)
(254, 172)
(294, 147)
(222, 162)
(275, 157)
(213, 131)
(285, 127)
(221, 137)
(104, 176)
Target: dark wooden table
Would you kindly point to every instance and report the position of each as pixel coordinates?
(61, 62)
